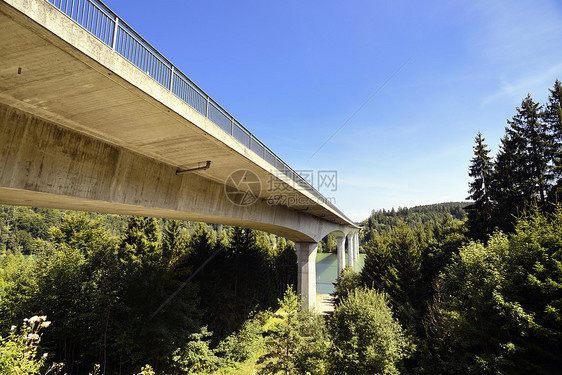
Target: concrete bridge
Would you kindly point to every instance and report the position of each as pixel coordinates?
(93, 118)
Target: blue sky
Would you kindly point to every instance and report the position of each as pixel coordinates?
(293, 72)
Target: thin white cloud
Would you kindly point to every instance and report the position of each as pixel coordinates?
(535, 82)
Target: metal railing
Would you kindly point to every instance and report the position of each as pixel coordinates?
(104, 24)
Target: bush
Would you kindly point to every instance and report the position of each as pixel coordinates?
(18, 351)
(366, 336)
(243, 344)
(347, 281)
(298, 343)
(196, 355)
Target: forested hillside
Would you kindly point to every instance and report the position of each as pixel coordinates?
(382, 221)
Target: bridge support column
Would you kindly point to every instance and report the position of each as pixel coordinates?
(351, 250)
(306, 282)
(341, 253)
(356, 245)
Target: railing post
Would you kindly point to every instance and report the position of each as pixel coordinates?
(207, 108)
(114, 39)
(232, 127)
(172, 79)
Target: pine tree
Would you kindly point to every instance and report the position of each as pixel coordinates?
(552, 116)
(505, 190)
(522, 174)
(174, 245)
(405, 273)
(139, 293)
(481, 170)
(286, 265)
(140, 240)
(377, 262)
(536, 152)
(393, 265)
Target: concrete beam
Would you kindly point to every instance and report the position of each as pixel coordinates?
(45, 165)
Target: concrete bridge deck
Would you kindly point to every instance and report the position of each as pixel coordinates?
(82, 127)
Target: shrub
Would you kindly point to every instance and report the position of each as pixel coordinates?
(347, 281)
(18, 351)
(366, 336)
(298, 343)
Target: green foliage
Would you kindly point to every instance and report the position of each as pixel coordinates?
(297, 344)
(243, 278)
(383, 220)
(393, 265)
(536, 263)
(290, 304)
(526, 170)
(125, 301)
(552, 116)
(19, 350)
(366, 336)
(404, 262)
(25, 229)
(484, 323)
(146, 370)
(285, 266)
(328, 244)
(243, 344)
(17, 284)
(481, 170)
(499, 309)
(195, 355)
(347, 281)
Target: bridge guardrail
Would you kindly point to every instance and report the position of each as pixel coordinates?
(104, 24)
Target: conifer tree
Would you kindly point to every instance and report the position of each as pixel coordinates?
(505, 190)
(377, 261)
(536, 152)
(393, 265)
(522, 174)
(174, 244)
(139, 292)
(481, 169)
(552, 116)
(286, 265)
(405, 272)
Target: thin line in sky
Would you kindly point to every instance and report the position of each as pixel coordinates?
(361, 107)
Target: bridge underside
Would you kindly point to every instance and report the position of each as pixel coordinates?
(82, 128)
(54, 69)
(45, 165)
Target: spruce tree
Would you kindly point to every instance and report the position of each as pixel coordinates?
(174, 246)
(536, 152)
(552, 116)
(481, 170)
(522, 174)
(505, 190)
